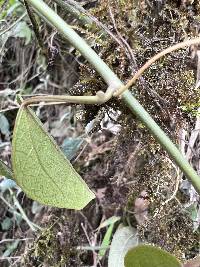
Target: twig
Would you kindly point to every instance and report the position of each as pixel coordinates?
(79, 11)
(152, 60)
(10, 258)
(14, 23)
(93, 248)
(33, 226)
(76, 10)
(3, 5)
(178, 179)
(131, 58)
(91, 244)
(127, 46)
(193, 138)
(35, 28)
(22, 213)
(198, 70)
(86, 234)
(17, 239)
(12, 209)
(8, 109)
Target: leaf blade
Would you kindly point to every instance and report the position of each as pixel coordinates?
(5, 170)
(4, 125)
(124, 238)
(41, 169)
(109, 221)
(148, 255)
(106, 241)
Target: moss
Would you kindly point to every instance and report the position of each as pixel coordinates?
(168, 225)
(171, 229)
(45, 251)
(55, 246)
(149, 27)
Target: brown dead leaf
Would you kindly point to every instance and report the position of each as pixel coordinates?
(100, 193)
(193, 263)
(141, 207)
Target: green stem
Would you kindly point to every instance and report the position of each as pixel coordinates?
(111, 79)
(75, 12)
(99, 98)
(163, 139)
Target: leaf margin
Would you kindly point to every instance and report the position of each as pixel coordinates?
(29, 111)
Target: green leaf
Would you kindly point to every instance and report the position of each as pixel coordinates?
(13, 5)
(41, 169)
(6, 224)
(11, 248)
(5, 170)
(36, 207)
(147, 255)
(107, 237)
(4, 125)
(70, 146)
(106, 240)
(192, 211)
(109, 221)
(6, 184)
(22, 30)
(123, 239)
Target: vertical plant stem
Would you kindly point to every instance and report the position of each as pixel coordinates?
(111, 79)
(163, 139)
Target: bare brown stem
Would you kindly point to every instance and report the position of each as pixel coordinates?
(153, 59)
